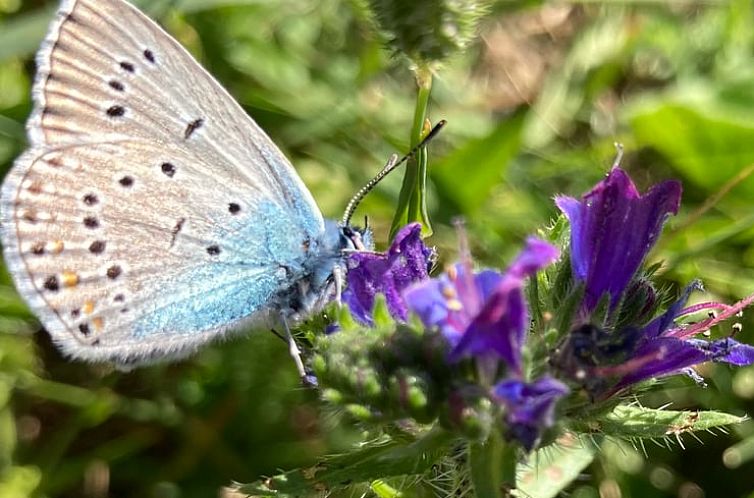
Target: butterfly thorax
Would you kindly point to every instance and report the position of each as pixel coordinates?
(323, 269)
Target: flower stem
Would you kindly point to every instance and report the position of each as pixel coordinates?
(412, 202)
(493, 466)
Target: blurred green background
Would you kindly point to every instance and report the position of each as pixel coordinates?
(534, 106)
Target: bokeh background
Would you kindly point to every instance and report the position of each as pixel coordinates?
(534, 107)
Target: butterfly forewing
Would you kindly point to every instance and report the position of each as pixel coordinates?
(150, 212)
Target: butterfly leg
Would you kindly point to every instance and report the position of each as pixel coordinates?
(294, 351)
(337, 273)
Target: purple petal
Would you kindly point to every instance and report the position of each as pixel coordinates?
(612, 230)
(665, 356)
(369, 274)
(487, 281)
(536, 255)
(572, 208)
(432, 305)
(529, 408)
(499, 328)
(726, 350)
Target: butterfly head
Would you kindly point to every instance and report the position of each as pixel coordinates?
(353, 238)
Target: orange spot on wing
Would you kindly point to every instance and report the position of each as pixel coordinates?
(69, 278)
(88, 307)
(56, 247)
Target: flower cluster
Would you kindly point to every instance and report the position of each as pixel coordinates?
(613, 228)
(457, 348)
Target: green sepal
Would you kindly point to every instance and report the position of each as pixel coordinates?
(468, 411)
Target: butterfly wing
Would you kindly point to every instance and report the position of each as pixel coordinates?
(150, 213)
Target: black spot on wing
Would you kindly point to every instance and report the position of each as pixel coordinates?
(176, 229)
(51, 283)
(192, 127)
(114, 272)
(97, 247)
(168, 169)
(116, 111)
(91, 222)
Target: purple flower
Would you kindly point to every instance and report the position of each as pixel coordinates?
(606, 362)
(613, 228)
(370, 273)
(484, 313)
(528, 408)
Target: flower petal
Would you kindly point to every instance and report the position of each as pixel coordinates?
(370, 273)
(727, 350)
(664, 356)
(499, 328)
(430, 300)
(612, 230)
(529, 407)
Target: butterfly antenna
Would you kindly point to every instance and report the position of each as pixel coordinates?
(392, 163)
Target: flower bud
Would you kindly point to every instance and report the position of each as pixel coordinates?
(468, 411)
(429, 30)
(412, 392)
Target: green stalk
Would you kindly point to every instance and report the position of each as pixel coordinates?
(493, 467)
(412, 204)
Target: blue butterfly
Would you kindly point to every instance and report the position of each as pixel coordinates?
(150, 214)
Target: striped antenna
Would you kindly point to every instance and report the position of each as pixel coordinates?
(392, 163)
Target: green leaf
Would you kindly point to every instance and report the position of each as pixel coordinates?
(467, 176)
(19, 482)
(22, 36)
(631, 421)
(376, 460)
(708, 149)
(564, 94)
(551, 469)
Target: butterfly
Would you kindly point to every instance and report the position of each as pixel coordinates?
(150, 214)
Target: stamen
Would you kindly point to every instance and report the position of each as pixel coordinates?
(702, 306)
(448, 291)
(454, 305)
(728, 312)
(467, 290)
